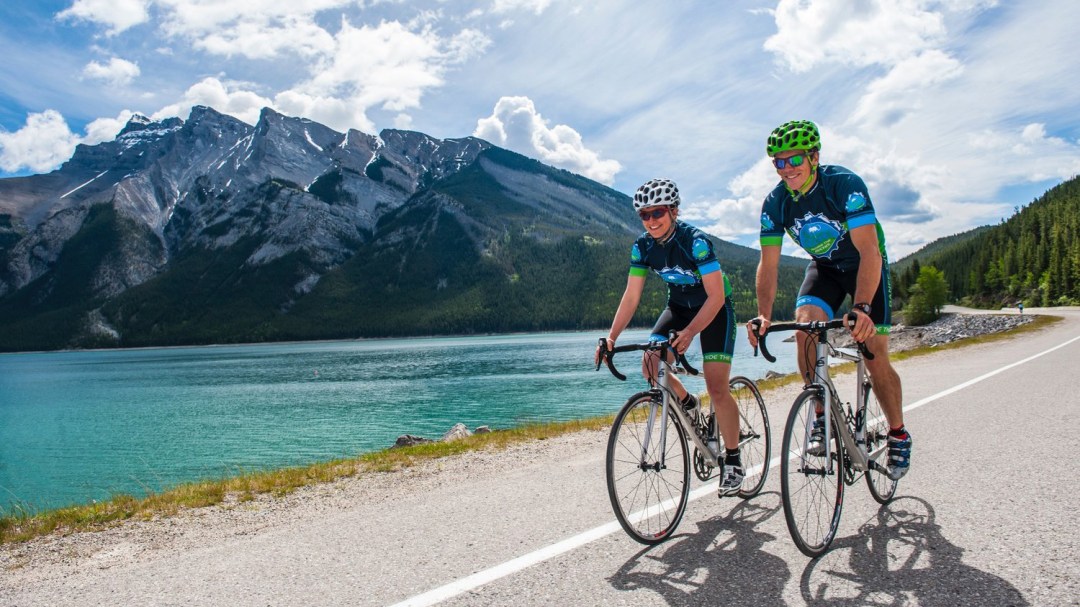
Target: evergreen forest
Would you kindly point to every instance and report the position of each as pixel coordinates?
(1031, 258)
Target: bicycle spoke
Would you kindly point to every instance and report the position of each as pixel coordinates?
(647, 470)
(812, 494)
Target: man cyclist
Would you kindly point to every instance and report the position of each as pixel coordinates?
(698, 304)
(826, 210)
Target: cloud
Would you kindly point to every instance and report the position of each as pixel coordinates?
(386, 67)
(516, 125)
(903, 89)
(852, 32)
(116, 72)
(41, 145)
(243, 104)
(45, 141)
(506, 6)
(116, 15)
(1028, 153)
(737, 217)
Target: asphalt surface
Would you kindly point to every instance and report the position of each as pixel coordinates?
(985, 517)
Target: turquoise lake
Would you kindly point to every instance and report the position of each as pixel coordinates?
(82, 426)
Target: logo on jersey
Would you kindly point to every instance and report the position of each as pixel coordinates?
(856, 202)
(767, 223)
(818, 235)
(701, 249)
(678, 276)
(635, 254)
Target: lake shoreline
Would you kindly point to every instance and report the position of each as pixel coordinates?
(57, 556)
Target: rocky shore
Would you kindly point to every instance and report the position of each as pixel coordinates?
(952, 327)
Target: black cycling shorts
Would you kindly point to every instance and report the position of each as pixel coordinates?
(826, 288)
(717, 339)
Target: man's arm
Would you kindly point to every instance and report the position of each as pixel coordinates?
(765, 283)
(765, 280)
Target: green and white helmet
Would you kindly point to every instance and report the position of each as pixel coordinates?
(794, 135)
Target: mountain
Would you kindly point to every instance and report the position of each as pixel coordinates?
(1034, 256)
(211, 230)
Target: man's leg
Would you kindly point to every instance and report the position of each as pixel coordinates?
(807, 344)
(889, 393)
(887, 387)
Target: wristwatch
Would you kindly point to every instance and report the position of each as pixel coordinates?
(862, 307)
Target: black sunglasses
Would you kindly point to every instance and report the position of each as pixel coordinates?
(654, 214)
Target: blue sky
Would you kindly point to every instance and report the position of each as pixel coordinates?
(954, 112)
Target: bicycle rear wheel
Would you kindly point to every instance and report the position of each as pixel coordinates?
(881, 485)
(755, 437)
(648, 470)
(811, 490)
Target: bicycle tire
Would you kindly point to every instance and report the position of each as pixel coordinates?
(812, 497)
(649, 498)
(755, 435)
(882, 486)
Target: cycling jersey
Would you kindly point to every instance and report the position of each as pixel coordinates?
(680, 262)
(820, 220)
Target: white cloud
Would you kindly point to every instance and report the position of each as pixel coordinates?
(516, 125)
(506, 6)
(737, 218)
(116, 72)
(242, 104)
(45, 141)
(387, 67)
(1028, 154)
(116, 15)
(852, 32)
(41, 145)
(106, 129)
(257, 29)
(904, 88)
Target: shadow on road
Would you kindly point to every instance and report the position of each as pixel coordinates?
(721, 562)
(901, 558)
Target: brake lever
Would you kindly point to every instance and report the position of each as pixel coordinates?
(866, 354)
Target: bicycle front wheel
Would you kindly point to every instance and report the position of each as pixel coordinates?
(755, 437)
(648, 470)
(811, 486)
(881, 485)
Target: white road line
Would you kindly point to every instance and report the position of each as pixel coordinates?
(491, 574)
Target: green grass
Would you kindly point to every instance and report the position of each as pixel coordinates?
(24, 524)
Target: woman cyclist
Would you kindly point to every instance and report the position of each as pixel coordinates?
(698, 304)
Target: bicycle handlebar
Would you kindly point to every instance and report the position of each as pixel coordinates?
(817, 327)
(607, 355)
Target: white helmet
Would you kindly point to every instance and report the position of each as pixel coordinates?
(656, 192)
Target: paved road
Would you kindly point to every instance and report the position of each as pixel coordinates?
(986, 517)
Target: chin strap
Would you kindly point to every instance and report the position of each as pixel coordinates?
(805, 187)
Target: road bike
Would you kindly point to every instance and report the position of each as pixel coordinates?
(648, 456)
(852, 443)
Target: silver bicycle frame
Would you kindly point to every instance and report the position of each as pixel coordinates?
(860, 459)
(663, 369)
